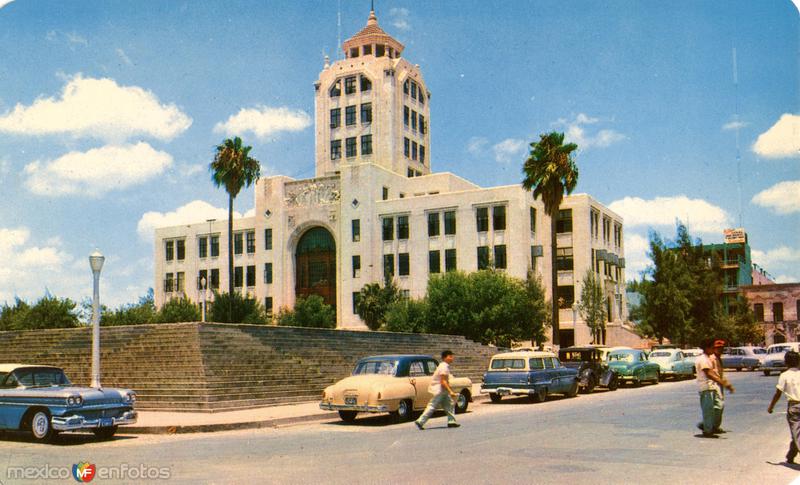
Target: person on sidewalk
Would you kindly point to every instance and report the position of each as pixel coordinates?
(719, 346)
(789, 384)
(710, 386)
(443, 395)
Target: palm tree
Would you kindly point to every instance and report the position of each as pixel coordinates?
(233, 168)
(549, 171)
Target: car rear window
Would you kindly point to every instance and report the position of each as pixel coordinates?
(508, 364)
(660, 354)
(537, 364)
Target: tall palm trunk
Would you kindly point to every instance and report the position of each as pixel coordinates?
(230, 255)
(554, 276)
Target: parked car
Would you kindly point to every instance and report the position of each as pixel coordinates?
(691, 355)
(592, 370)
(530, 373)
(604, 351)
(741, 358)
(775, 353)
(672, 363)
(41, 399)
(632, 366)
(394, 384)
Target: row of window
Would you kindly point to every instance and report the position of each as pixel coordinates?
(777, 311)
(350, 85)
(414, 150)
(414, 120)
(487, 257)
(434, 219)
(350, 147)
(414, 90)
(380, 51)
(175, 249)
(350, 115)
(594, 228)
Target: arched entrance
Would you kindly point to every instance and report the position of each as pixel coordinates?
(315, 265)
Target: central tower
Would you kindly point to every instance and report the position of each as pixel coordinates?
(372, 107)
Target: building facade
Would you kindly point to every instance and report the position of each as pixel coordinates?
(777, 307)
(375, 210)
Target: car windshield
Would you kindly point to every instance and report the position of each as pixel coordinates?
(779, 349)
(621, 357)
(660, 354)
(759, 351)
(508, 364)
(381, 367)
(41, 377)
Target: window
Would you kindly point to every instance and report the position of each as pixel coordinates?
(422, 154)
(499, 218)
(366, 145)
(380, 50)
(433, 224)
(215, 279)
(388, 265)
(355, 227)
(336, 149)
(483, 257)
(500, 256)
(350, 115)
(606, 229)
(482, 219)
(385, 193)
(268, 305)
(336, 89)
(406, 116)
(356, 266)
(169, 250)
(414, 120)
(421, 124)
(758, 310)
(406, 147)
(566, 296)
(350, 147)
(421, 97)
(268, 273)
(356, 298)
(777, 312)
(202, 247)
(238, 243)
(406, 86)
(202, 279)
(366, 113)
(214, 246)
(434, 262)
(267, 239)
(413, 150)
(416, 369)
(450, 260)
(533, 220)
(402, 264)
(413, 90)
(180, 281)
(336, 117)
(617, 235)
(180, 249)
(169, 283)
(564, 260)
(594, 222)
(251, 276)
(450, 222)
(251, 241)
(564, 222)
(366, 84)
(410, 173)
(350, 85)
(402, 227)
(388, 228)
(238, 276)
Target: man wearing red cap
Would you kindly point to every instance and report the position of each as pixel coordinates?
(710, 385)
(719, 346)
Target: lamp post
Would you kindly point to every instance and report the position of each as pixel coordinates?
(575, 317)
(96, 263)
(208, 269)
(203, 285)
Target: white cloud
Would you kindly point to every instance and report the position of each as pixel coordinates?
(194, 212)
(509, 150)
(73, 38)
(782, 140)
(698, 214)
(636, 260)
(399, 18)
(97, 171)
(776, 257)
(734, 125)
(3, 3)
(785, 279)
(263, 121)
(576, 132)
(783, 197)
(97, 108)
(477, 144)
(124, 57)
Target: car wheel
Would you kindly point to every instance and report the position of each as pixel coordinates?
(39, 426)
(540, 395)
(462, 402)
(105, 433)
(766, 372)
(495, 397)
(404, 412)
(613, 384)
(658, 377)
(752, 369)
(738, 369)
(573, 391)
(348, 416)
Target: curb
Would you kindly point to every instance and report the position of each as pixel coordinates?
(267, 423)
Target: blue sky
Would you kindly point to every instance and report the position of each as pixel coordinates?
(109, 112)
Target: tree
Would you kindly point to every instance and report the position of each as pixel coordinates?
(132, 314)
(539, 316)
(550, 171)
(592, 305)
(373, 302)
(233, 168)
(407, 315)
(11, 317)
(48, 312)
(308, 312)
(234, 308)
(178, 310)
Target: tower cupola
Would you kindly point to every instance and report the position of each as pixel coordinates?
(372, 41)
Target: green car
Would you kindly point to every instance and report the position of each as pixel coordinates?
(632, 366)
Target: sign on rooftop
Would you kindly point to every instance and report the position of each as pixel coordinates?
(733, 236)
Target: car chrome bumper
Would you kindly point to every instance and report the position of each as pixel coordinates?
(350, 407)
(71, 423)
(505, 391)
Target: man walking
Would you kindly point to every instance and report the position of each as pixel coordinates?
(443, 395)
(789, 384)
(719, 346)
(710, 386)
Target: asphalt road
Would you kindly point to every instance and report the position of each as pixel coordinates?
(634, 435)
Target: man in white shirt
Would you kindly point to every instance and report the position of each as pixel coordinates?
(710, 386)
(443, 395)
(789, 384)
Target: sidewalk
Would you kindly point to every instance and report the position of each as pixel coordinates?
(156, 422)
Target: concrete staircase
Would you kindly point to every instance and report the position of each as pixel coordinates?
(221, 367)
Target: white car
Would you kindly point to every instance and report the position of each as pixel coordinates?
(673, 363)
(774, 361)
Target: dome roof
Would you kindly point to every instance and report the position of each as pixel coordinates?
(372, 34)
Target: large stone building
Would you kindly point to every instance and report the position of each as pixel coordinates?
(376, 209)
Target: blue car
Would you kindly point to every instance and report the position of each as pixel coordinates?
(40, 399)
(528, 373)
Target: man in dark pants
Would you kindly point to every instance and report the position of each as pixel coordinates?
(789, 384)
(710, 386)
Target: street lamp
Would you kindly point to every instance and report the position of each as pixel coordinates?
(574, 317)
(96, 263)
(203, 286)
(208, 269)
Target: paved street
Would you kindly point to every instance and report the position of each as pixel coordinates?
(644, 435)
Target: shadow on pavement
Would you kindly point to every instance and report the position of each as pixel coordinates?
(791, 466)
(62, 439)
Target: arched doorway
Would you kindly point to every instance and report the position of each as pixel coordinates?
(315, 265)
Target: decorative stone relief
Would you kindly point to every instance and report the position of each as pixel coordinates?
(290, 221)
(312, 192)
(332, 216)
